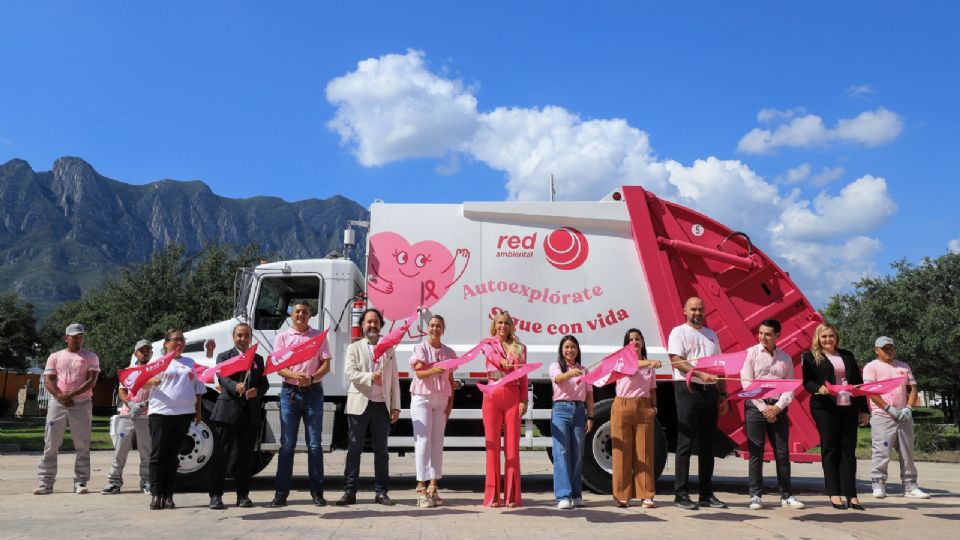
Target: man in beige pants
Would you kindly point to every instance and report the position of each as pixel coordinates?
(69, 377)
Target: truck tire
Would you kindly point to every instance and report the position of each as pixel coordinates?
(196, 451)
(598, 451)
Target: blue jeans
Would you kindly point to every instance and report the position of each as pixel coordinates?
(294, 405)
(567, 424)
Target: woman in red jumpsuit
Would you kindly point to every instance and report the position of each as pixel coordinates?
(502, 411)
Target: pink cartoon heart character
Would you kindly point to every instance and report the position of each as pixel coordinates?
(402, 277)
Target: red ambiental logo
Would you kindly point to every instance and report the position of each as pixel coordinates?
(566, 248)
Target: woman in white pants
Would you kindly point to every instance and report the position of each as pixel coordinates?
(431, 398)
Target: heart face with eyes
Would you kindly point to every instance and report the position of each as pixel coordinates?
(402, 277)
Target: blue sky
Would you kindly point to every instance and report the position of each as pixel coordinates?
(824, 129)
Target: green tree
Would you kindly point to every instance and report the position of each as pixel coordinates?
(18, 333)
(919, 307)
(173, 289)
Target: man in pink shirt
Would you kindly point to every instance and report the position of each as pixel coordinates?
(767, 418)
(69, 377)
(891, 420)
(301, 398)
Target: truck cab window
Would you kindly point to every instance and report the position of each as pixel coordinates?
(276, 295)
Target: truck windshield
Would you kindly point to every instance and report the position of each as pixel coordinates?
(277, 294)
(241, 292)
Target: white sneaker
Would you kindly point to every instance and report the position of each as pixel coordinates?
(578, 502)
(916, 493)
(791, 502)
(80, 488)
(43, 489)
(565, 504)
(879, 491)
(756, 503)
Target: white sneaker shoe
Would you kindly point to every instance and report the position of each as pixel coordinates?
(565, 504)
(879, 491)
(916, 493)
(756, 503)
(43, 489)
(578, 502)
(80, 488)
(791, 502)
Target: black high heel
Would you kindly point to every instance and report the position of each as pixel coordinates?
(839, 505)
(855, 506)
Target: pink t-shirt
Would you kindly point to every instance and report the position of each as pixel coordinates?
(839, 370)
(878, 370)
(437, 384)
(291, 338)
(570, 389)
(376, 390)
(72, 370)
(641, 384)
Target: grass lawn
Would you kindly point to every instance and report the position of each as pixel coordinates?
(28, 433)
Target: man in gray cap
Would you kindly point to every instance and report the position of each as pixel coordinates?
(69, 377)
(132, 424)
(891, 420)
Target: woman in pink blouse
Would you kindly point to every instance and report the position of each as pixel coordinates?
(836, 417)
(502, 411)
(631, 427)
(431, 399)
(570, 419)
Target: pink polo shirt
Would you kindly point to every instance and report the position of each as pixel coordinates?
(570, 389)
(878, 370)
(641, 384)
(437, 384)
(72, 370)
(761, 364)
(291, 338)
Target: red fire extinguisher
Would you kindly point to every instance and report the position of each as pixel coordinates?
(359, 305)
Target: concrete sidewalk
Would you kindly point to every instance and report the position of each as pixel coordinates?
(23, 515)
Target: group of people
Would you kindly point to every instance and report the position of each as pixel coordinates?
(160, 413)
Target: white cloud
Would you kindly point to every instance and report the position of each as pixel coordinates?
(869, 128)
(765, 116)
(861, 206)
(393, 108)
(827, 175)
(795, 175)
(953, 246)
(860, 90)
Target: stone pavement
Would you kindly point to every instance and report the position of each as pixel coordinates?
(23, 515)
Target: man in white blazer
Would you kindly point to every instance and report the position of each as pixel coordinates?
(373, 401)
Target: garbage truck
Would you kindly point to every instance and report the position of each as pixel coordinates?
(590, 269)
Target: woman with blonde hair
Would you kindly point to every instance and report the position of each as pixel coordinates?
(836, 417)
(502, 410)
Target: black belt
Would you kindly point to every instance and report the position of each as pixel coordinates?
(296, 388)
(771, 401)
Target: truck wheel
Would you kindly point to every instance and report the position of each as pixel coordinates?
(196, 452)
(598, 451)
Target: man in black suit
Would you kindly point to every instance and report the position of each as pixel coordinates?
(236, 420)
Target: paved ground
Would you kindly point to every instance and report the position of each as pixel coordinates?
(23, 515)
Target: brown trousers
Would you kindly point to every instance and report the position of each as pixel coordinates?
(631, 426)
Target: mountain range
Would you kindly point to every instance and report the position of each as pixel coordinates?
(65, 230)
